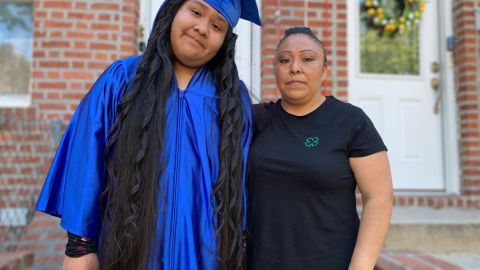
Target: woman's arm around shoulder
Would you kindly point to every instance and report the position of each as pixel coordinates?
(261, 117)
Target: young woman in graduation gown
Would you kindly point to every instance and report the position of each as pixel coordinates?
(149, 173)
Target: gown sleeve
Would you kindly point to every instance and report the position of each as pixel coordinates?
(247, 133)
(77, 174)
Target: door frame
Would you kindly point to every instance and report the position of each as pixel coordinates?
(448, 110)
(449, 105)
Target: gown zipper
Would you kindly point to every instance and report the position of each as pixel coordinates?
(181, 96)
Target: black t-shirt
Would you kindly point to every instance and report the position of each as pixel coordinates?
(302, 210)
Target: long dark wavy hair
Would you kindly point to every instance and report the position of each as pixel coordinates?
(130, 199)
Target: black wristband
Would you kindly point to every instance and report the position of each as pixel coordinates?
(78, 246)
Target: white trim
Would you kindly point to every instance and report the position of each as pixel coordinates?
(256, 68)
(144, 18)
(243, 52)
(247, 56)
(148, 12)
(15, 100)
(448, 105)
(256, 63)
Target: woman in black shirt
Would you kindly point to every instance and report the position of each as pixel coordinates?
(308, 155)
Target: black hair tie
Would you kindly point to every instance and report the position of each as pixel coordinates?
(78, 246)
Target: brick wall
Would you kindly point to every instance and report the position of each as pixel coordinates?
(74, 41)
(328, 19)
(467, 67)
(24, 153)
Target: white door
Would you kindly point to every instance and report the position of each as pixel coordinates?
(391, 80)
(247, 56)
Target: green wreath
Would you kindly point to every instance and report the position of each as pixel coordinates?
(389, 22)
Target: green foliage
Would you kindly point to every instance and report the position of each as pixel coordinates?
(21, 19)
(386, 54)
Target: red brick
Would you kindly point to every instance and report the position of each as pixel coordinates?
(104, 6)
(106, 27)
(78, 75)
(80, 45)
(53, 64)
(471, 183)
(80, 5)
(102, 46)
(129, 29)
(78, 65)
(76, 54)
(53, 106)
(57, 235)
(40, 14)
(53, 75)
(80, 15)
(31, 237)
(101, 56)
(52, 85)
(73, 95)
(386, 263)
(54, 54)
(81, 35)
(57, 24)
(81, 25)
(415, 263)
(57, 4)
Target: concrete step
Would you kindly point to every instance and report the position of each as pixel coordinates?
(434, 231)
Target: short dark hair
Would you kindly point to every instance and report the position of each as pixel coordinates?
(305, 31)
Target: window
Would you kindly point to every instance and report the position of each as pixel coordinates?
(16, 46)
(392, 55)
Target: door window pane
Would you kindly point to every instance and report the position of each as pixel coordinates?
(16, 42)
(383, 53)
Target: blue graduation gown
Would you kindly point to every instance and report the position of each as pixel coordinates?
(185, 235)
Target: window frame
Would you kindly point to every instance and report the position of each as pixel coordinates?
(13, 100)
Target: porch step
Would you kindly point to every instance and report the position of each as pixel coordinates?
(436, 231)
(415, 261)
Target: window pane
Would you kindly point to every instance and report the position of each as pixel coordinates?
(389, 54)
(16, 42)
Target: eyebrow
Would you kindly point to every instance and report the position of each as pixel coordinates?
(300, 51)
(205, 7)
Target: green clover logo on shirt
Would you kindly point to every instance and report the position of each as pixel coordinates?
(311, 142)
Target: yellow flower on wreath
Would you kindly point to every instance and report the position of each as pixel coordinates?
(374, 13)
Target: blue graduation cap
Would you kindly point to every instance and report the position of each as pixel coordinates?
(233, 10)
